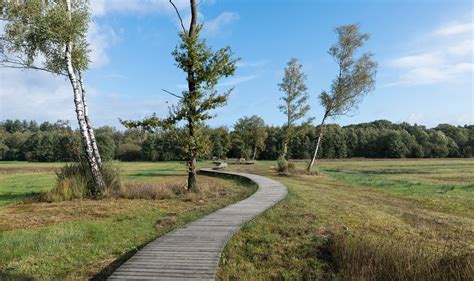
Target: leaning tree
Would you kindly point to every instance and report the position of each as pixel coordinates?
(51, 36)
(356, 77)
(204, 68)
(295, 101)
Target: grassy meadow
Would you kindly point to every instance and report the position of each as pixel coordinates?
(362, 220)
(81, 239)
(354, 220)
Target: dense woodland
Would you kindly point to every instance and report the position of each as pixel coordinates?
(250, 137)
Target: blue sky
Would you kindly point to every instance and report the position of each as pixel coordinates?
(424, 50)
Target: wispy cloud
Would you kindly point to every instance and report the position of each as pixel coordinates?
(100, 38)
(447, 57)
(103, 7)
(217, 25)
(234, 81)
(455, 28)
(258, 63)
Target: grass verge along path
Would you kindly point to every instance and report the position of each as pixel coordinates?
(81, 239)
(193, 251)
(334, 227)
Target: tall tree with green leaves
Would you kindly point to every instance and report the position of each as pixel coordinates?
(51, 36)
(204, 68)
(295, 101)
(250, 134)
(356, 77)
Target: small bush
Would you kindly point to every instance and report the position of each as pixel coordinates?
(75, 181)
(282, 165)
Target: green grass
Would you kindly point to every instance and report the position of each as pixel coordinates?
(361, 220)
(22, 180)
(15, 187)
(84, 238)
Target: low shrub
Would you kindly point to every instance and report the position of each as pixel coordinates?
(284, 167)
(75, 181)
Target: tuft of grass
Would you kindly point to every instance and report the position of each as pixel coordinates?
(146, 190)
(74, 181)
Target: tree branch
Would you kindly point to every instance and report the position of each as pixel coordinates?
(174, 95)
(179, 16)
(16, 65)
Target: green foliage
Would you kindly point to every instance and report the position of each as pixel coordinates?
(295, 100)
(379, 139)
(356, 76)
(295, 97)
(204, 69)
(220, 140)
(106, 145)
(40, 28)
(282, 166)
(129, 152)
(249, 136)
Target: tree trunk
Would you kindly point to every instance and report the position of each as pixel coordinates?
(285, 149)
(194, 15)
(90, 129)
(192, 181)
(94, 167)
(313, 160)
(254, 152)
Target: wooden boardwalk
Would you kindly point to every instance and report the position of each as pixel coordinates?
(192, 252)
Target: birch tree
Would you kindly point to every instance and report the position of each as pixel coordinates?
(51, 36)
(295, 101)
(204, 68)
(356, 77)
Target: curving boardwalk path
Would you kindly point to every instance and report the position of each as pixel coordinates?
(192, 252)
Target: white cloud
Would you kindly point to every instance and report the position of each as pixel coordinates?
(41, 96)
(455, 28)
(447, 56)
(216, 26)
(259, 63)
(100, 37)
(103, 7)
(34, 95)
(237, 80)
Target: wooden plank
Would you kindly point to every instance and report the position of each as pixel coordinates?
(192, 252)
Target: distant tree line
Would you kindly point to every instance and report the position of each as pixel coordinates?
(250, 139)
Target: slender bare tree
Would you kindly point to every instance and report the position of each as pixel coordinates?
(356, 78)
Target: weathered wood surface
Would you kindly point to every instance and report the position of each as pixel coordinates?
(193, 251)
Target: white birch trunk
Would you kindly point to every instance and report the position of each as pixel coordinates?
(90, 130)
(313, 160)
(94, 166)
